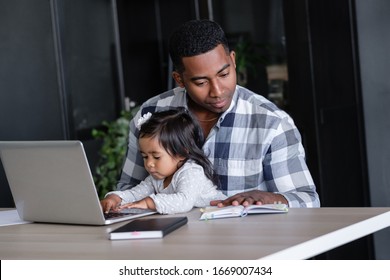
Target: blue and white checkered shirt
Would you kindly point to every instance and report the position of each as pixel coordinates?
(253, 146)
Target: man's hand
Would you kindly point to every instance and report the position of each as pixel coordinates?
(251, 197)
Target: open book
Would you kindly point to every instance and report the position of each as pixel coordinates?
(214, 212)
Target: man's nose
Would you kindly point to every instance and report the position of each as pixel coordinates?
(216, 89)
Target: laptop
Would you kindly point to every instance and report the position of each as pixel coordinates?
(51, 182)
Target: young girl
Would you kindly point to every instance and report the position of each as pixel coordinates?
(180, 175)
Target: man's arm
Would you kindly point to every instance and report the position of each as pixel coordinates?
(285, 169)
(285, 172)
(133, 171)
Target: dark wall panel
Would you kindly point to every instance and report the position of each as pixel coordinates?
(30, 102)
(326, 98)
(29, 96)
(373, 23)
(58, 75)
(145, 27)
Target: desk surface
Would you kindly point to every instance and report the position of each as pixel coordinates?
(299, 234)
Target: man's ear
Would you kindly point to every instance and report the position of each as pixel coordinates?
(177, 77)
(233, 57)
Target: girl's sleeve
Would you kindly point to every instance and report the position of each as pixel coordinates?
(187, 187)
(138, 192)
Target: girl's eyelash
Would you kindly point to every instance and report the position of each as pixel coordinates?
(145, 157)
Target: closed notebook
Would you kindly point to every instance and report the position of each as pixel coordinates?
(214, 212)
(148, 228)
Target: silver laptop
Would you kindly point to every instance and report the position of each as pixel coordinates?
(51, 182)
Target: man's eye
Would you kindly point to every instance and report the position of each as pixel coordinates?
(199, 84)
(223, 75)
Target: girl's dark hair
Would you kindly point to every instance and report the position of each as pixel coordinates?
(193, 38)
(179, 134)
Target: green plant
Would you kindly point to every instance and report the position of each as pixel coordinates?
(248, 58)
(114, 137)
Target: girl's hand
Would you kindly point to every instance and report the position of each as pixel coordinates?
(110, 203)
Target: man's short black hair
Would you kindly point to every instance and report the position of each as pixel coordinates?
(193, 38)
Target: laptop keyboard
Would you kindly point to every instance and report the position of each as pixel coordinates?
(125, 212)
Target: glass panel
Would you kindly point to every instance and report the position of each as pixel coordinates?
(255, 30)
(89, 61)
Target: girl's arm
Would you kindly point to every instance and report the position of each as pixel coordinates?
(146, 203)
(142, 190)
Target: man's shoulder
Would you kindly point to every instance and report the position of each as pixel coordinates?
(171, 98)
(252, 103)
(246, 96)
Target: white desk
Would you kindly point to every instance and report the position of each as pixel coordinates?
(299, 234)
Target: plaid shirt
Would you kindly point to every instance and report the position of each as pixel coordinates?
(253, 146)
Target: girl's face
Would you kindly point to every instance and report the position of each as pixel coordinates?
(159, 164)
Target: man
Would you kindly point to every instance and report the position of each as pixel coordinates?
(254, 146)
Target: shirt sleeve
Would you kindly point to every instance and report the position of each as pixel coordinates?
(285, 168)
(187, 187)
(140, 191)
(133, 171)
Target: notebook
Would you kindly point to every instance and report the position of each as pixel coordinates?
(51, 182)
(148, 228)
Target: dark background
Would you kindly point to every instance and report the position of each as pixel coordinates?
(67, 65)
